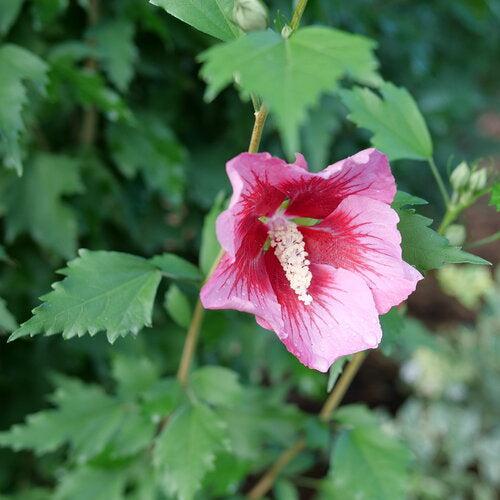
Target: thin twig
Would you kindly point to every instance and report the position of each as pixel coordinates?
(90, 117)
(439, 181)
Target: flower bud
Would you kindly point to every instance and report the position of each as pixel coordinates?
(250, 15)
(456, 234)
(460, 176)
(478, 180)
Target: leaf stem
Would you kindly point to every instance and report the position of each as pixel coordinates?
(258, 128)
(484, 241)
(331, 404)
(297, 14)
(439, 181)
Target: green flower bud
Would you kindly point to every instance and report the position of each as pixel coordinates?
(250, 15)
(478, 180)
(456, 234)
(460, 177)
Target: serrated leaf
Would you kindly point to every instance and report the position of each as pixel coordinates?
(85, 86)
(178, 306)
(392, 324)
(103, 291)
(150, 148)
(210, 247)
(383, 460)
(424, 248)
(185, 451)
(175, 267)
(403, 199)
(495, 196)
(17, 67)
(210, 16)
(399, 130)
(85, 417)
(216, 385)
(114, 43)
(7, 321)
(34, 203)
(289, 74)
(9, 10)
(94, 483)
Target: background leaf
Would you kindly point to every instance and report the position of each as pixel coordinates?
(116, 51)
(9, 11)
(17, 67)
(7, 321)
(178, 306)
(34, 203)
(175, 267)
(185, 451)
(210, 247)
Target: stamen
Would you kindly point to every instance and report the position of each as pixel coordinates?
(289, 248)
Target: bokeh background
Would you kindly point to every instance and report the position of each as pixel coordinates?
(145, 187)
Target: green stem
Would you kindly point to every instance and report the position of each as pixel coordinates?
(297, 14)
(484, 241)
(439, 181)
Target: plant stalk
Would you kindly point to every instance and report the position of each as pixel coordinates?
(297, 14)
(439, 181)
(331, 404)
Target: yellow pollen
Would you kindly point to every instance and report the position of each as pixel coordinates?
(289, 248)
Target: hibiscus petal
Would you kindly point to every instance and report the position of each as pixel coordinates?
(255, 179)
(341, 320)
(361, 235)
(366, 173)
(243, 286)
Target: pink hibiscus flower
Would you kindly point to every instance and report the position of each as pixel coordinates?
(316, 257)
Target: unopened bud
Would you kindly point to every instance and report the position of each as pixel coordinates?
(478, 180)
(456, 234)
(460, 177)
(250, 15)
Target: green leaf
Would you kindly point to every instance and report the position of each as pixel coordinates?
(217, 385)
(3, 255)
(9, 10)
(286, 490)
(85, 417)
(114, 43)
(356, 415)
(185, 451)
(495, 196)
(210, 16)
(150, 148)
(335, 371)
(403, 199)
(382, 460)
(7, 321)
(90, 482)
(175, 267)
(103, 291)
(289, 74)
(424, 248)
(178, 306)
(210, 246)
(134, 375)
(86, 87)
(34, 203)
(398, 128)
(392, 326)
(17, 67)
(46, 11)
